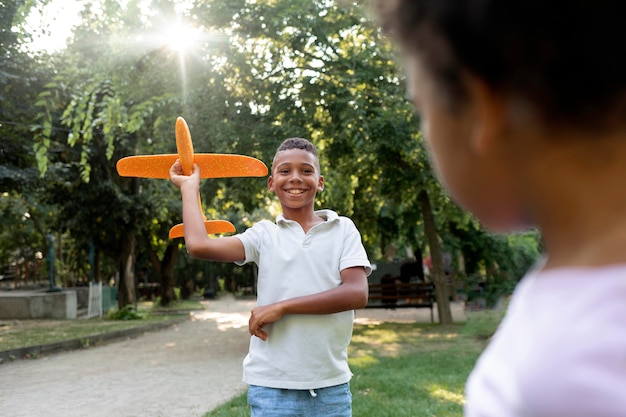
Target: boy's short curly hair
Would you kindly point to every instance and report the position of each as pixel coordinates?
(564, 57)
(299, 143)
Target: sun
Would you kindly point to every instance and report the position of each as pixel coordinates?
(181, 38)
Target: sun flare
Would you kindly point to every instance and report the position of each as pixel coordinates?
(181, 38)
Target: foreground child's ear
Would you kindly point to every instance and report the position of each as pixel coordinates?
(489, 114)
(320, 183)
(270, 183)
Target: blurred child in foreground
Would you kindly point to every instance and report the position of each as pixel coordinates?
(523, 107)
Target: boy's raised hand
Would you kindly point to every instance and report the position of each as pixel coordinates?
(178, 178)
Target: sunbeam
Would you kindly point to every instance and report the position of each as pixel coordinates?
(181, 38)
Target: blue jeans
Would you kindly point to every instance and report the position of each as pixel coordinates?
(324, 402)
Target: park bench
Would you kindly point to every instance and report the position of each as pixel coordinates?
(148, 290)
(394, 295)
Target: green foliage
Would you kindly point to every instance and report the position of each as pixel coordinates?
(264, 71)
(127, 312)
(21, 78)
(205, 274)
(494, 262)
(324, 72)
(105, 103)
(24, 221)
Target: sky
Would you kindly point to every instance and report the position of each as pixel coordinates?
(60, 16)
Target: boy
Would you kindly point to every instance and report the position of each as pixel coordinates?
(312, 275)
(523, 106)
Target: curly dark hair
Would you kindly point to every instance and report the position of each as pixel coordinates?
(564, 57)
(299, 143)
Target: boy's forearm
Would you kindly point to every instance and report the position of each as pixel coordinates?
(350, 295)
(199, 245)
(192, 217)
(343, 298)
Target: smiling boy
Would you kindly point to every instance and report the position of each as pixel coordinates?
(312, 274)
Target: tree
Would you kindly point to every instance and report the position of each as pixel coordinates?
(122, 103)
(325, 72)
(262, 71)
(96, 114)
(25, 218)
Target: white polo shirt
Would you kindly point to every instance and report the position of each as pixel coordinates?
(302, 351)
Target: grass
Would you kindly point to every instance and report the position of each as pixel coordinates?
(407, 370)
(16, 334)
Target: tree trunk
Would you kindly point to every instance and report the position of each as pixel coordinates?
(438, 274)
(96, 273)
(126, 286)
(168, 281)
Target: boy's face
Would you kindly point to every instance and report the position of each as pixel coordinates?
(295, 178)
(474, 166)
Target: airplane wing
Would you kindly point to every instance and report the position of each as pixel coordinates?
(212, 165)
(211, 226)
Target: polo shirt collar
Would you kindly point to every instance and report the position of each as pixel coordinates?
(329, 215)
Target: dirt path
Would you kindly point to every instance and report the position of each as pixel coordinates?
(183, 371)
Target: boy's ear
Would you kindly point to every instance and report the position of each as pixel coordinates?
(320, 183)
(489, 114)
(270, 183)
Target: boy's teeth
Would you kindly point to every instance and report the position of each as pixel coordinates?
(295, 191)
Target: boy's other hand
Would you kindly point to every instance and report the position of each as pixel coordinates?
(261, 316)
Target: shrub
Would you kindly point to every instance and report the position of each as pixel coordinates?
(127, 313)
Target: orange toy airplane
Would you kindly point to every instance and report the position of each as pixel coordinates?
(212, 165)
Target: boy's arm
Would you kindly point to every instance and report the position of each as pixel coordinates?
(350, 295)
(199, 245)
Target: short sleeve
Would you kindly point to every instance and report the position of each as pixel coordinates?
(354, 253)
(252, 240)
